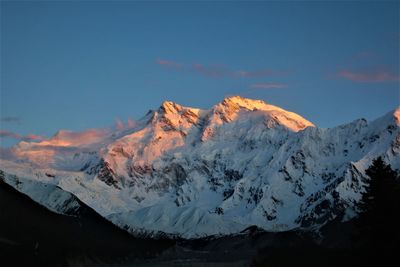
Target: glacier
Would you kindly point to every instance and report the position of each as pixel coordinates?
(187, 172)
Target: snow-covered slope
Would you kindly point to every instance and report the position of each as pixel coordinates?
(191, 172)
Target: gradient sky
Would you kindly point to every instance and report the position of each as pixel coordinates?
(78, 65)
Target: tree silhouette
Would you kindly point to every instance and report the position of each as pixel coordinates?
(380, 207)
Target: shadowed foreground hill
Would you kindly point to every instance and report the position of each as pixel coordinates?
(31, 235)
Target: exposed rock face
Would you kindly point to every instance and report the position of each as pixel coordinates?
(191, 172)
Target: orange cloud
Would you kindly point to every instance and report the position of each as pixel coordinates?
(368, 76)
(65, 142)
(69, 138)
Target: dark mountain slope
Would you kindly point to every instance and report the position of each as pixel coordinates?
(31, 235)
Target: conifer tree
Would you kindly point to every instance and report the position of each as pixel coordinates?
(380, 206)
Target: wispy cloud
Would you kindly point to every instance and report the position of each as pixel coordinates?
(7, 153)
(70, 138)
(364, 56)
(366, 67)
(120, 125)
(215, 71)
(13, 135)
(219, 70)
(259, 73)
(131, 123)
(8, 134)
(33, 137)
(10, 119)
(169, 63)
(368, 76)
(268, 85)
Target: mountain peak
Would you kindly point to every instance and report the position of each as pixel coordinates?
(170, 107)
(230, 107)
(197, 173)
(242, 102)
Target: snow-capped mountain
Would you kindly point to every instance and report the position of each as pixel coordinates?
(191, 173)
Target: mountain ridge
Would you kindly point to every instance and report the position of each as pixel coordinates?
(193, 173)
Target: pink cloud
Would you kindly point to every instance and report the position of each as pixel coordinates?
(119, 124)
(218, 71)
(215, 71)
(8, 134)
(44, 153)
(34, 137)
(169, 64)
(368, 76)
(29, 137)
(268, 85)
(69, 138)
(7, 153)
(258, 73)
(131, 123)
(364, 56)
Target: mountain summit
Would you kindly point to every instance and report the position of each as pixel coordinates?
(190, 172)
(232, 105)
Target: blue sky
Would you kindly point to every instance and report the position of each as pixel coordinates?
(78, 65)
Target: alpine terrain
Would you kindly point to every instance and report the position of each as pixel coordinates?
(187, 172)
